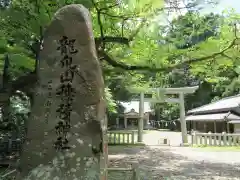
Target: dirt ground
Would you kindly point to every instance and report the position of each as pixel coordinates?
(171, 163)
(153, 137)
(174, 162)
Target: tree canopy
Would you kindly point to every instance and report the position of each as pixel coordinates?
(135, 45)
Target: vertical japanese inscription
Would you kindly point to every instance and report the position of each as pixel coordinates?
(49, 102)
(65, 91)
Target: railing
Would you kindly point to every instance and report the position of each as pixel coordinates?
(9, 149)
(215, 139)
(10, 145)
(121, 137)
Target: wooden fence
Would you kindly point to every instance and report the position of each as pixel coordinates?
(121, 137)
(215, 139)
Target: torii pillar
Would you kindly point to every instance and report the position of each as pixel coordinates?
(182, 118)
(141, 117)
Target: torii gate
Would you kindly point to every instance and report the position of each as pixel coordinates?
(161, 98)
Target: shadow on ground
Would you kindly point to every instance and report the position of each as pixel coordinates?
(162, 164)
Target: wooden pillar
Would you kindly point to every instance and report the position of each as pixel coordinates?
(141, 116)
(228, 129)
(215, 127)
(205, 127)
(225, 126)
(117, 122)
(182, 119)
(125, 122)
(147, 118)
(194, 125)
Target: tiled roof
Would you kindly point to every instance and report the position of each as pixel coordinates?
(221, 105)
(213, 117)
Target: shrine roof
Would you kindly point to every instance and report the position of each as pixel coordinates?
(214, 117)
(224, 105)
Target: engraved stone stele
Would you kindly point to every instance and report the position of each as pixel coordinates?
(39, 159)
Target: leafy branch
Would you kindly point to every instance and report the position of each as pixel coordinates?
(103, 55)
(169, 68)
(27, 82)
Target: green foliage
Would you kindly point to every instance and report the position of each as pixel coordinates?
(152, 44)
(17, 115)
(111, 105)
(192, 36)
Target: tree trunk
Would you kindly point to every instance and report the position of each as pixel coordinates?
(45, 156)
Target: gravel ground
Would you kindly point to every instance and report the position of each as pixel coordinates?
(175, 163)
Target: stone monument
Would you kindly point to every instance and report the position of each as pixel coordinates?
(64, 139)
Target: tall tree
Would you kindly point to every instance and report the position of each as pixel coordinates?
(189, 33)
(126, 37)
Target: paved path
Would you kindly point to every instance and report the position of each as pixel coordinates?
(152, 138)
(176, 163)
